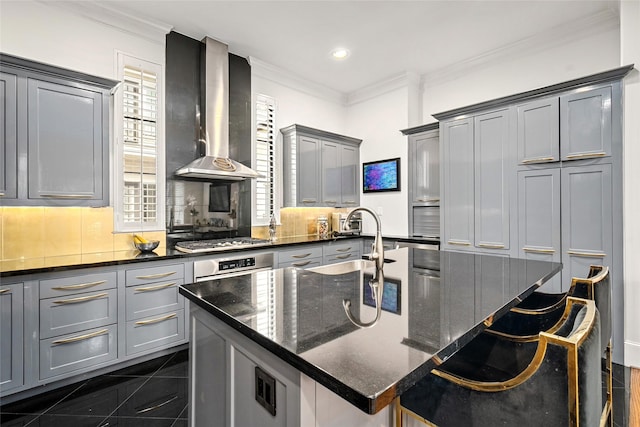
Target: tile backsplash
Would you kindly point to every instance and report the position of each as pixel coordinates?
(36, 232)
(297, 222)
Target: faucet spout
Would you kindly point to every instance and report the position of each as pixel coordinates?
(377, 250)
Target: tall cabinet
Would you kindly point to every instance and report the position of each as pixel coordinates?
(538, 175)
(320, 168)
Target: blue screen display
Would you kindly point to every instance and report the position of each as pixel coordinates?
(381, 176)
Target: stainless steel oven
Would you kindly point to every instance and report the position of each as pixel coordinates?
(236, 265)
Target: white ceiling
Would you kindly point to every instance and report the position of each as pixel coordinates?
(386, 38)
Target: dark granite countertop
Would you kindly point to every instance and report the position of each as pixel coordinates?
(428, 313)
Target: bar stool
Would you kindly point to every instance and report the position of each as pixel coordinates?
(552, 381)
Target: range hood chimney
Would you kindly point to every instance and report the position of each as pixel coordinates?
(214, 120)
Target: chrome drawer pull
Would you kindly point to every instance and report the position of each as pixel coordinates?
(490, 246)
(157, 287)
(67, 196)
(586, 155)
(309, 200)
(424, 199)
(587, 254)
(156, 276)
(331, 201)
(301, 264)
(80, 286)
(537, 160)
(2, 291)
(352, 202)
(159, 319)
(81, 299)
(82, 337)
(301, 255)
(453, 242)
(159, 405)
(539, 251)
(344, 249)
(2, 194)
(345, 256)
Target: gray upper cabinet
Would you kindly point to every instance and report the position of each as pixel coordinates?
(424, 167)
(320, 168)
(587, 221)
(491, 169)
(65, 142)
(538, 136)
(56, 122)
(539, 218)
(586, 124)
(457, 217)
(8, 136)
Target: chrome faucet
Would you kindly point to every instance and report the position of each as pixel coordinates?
(377, 249)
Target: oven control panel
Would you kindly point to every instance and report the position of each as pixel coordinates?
(226, 265)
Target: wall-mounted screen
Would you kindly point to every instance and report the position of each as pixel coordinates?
(381, 175)
(220, 197)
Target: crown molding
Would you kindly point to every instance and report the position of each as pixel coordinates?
(153, 31)
(406, 79)
(593, 24)
(293, 81)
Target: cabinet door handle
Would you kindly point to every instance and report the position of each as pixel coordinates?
(345, 256)
(587, 254)
(67, 196)
(81, 299)
(2, 194)
(156, 276)
(586, 155)
(4, 291)
(82, 337)
(425, 199)
(344, 249)
(301, 264)
(537, 160)
(156, 320)
(351, 202)
(155, 288)
(308, 200)
(453, 242)
(539, 251)
(79, 286)
(301, 255)
(331, 201)
(490, 246)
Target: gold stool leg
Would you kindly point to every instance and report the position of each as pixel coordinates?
(398, 413)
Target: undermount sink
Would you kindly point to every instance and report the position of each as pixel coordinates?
(344, 267)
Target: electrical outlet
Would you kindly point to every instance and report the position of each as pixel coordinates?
(265, 390)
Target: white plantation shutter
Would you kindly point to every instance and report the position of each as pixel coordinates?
(265, 160)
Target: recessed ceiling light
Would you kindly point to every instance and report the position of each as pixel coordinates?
(340, 53)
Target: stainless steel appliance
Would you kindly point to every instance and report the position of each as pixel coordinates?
(194, 246)
(338, 219)
(231, 266)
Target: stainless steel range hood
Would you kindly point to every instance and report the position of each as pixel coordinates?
(214, 121)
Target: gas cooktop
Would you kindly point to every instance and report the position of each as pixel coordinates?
(219, 244)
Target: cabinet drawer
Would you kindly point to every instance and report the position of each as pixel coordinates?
(302, 263)
(68, 353)
(154, 274)
(300, 254)
(341, 248)
(69, 314)
(151, 300)
(71, 285)
(155, 331)
(348, 256)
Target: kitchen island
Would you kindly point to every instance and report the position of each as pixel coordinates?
(277, 347)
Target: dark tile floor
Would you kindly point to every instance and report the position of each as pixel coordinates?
(150, 394)
(154, 394)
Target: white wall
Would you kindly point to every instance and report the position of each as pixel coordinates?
(47, 33)
(378, 122)
(630, 53)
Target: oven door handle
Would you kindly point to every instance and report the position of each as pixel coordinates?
(231, 274)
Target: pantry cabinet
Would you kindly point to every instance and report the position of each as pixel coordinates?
(320, 168)
(57, 123)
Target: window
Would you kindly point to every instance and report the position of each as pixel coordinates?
(139, 155)
(265, 164)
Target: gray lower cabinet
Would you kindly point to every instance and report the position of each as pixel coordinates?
(42, 107)
(320, 168)
(8, 132)
(155, 314)
(341, 251)
(301, 257)
(11, 337)
(587, 219)
(539, 219)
